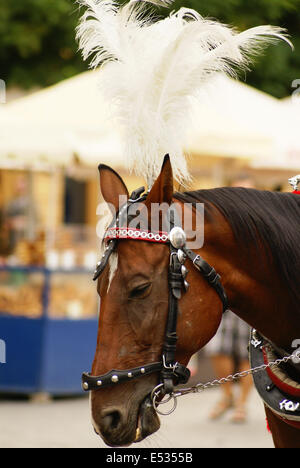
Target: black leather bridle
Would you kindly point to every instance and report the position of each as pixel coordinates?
(171, 372)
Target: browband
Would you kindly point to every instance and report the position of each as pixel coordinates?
(133, 233)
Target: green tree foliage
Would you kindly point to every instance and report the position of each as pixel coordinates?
(275, 71)
(37, 44)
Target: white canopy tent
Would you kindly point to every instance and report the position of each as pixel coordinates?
(52, 126)
(238, 121)
(286, 136)
(231, 119)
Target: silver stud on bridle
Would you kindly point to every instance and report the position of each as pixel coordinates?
(181, 256)
(177, 237)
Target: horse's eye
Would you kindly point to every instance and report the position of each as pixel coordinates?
(140, 291)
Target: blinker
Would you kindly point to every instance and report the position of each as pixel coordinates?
(105, 257)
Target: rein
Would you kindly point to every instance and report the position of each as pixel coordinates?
(171, 371)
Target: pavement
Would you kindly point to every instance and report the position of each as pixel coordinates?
(65, 423)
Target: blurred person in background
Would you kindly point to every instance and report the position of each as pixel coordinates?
(4, 247)
(228, 351)
(17, 212)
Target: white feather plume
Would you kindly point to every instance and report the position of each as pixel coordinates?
(153, 68)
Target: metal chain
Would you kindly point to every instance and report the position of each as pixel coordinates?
(230, 378)
(200, 387)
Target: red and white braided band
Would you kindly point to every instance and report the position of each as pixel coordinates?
(131, 233)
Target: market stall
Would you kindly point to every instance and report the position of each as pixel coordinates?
(48, 301)
(48, 322)
(48, 315)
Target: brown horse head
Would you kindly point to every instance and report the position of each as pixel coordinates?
(133, 314)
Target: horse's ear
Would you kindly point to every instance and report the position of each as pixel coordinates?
(163, 189)
(112, 186)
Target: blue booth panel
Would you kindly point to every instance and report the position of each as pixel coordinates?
(69, 348)
(23, 339)
(44, 353)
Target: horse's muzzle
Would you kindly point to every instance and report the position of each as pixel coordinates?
(119, 427)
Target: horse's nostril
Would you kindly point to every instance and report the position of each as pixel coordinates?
(115, 419)
(111, 420)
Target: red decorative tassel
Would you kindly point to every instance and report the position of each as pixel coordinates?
(297, 192)
(268, 427)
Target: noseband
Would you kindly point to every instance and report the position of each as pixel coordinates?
(171, 372)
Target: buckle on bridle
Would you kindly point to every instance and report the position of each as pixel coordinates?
(170, 366)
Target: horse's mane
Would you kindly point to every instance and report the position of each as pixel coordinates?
(268, 219)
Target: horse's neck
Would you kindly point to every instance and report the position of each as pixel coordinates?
(265, 307)
(255, 292)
